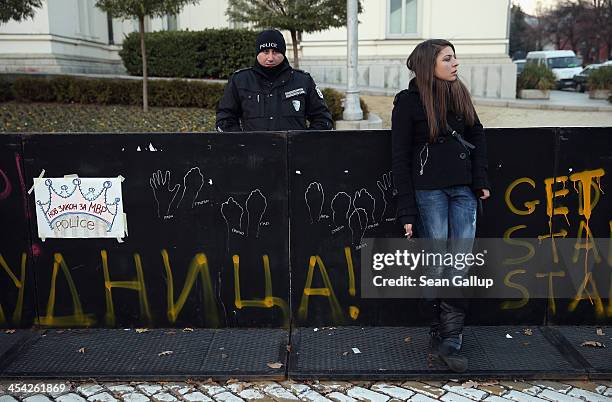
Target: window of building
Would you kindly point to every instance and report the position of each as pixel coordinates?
(402, 17)
(172, 22)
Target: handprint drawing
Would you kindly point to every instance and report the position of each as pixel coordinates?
(164, 193)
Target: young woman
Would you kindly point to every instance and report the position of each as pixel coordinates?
(439, 162)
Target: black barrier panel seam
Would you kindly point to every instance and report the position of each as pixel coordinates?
(30, 218)
(565, 348)
(289, 169)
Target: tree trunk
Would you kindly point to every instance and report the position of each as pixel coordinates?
(294, 42)
(143, 51)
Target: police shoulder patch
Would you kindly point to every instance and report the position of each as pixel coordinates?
(319, 92)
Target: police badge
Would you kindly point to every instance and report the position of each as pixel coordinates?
(296, 105)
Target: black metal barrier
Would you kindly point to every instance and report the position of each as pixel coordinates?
(266, 228)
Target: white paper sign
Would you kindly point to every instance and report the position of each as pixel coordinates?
(79, 207)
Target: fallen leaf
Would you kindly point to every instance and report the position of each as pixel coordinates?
(82, 350)
(165, 353)
(356, 350)
(232, 380)
(600, 332)
(187, 329)
(508, 336)
(344, 353)
(528, 331)
(209, 380)
(141, 330)
(407, 339)
(9, 331)
(469, 384)
(594, 344)
(275, 365)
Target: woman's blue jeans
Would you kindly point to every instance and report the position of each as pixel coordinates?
(448, 216)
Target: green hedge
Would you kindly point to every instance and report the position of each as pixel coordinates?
(334, 98)
(168, 93)
(211, 53)
(601, 78)
(536, 76)
(104, 91)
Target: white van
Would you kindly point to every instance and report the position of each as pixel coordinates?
(563, 63)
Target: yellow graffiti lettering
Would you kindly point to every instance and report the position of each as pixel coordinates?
(511, 305)
(550, 194)
(19, 284)
(138, 285)
(269, 300)
(588, 280)
(551, 291)
(327, 291)
(585, 178)
(530, 205)
(351, 271)
(78, 318)
(527, 245)
(589, 243)
(199, 265)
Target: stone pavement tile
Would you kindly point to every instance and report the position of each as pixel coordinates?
(237, 387)
(451, 397)
(102, 397)
(37, 398)
(120, 389)
(164, 397)
(279, 393)
(212, 389)
(552, 385)
(295, 387)
(364, 394)
(495, 398)
(134, 397)
(339, 397)
(393, 391)
(470, 393)
(588, 386)
(521, 386)
(588, 395)
(425, 389)
(196, 397)
(518, 396)
(494, 389)
(313, 396)
(422, 398)
(7, 398)
(608, 392)
(557, 396)
(149, 389)
(227, 397)
(71, 397)
(252, 394)
(326, 387)
(88, 390)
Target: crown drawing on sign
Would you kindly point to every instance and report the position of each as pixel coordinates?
(75, 195)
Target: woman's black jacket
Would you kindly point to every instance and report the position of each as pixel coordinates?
(444, 163)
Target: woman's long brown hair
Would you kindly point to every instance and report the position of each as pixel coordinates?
(438, 95)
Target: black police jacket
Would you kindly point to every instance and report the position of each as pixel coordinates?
(251, 102)
(419, 164)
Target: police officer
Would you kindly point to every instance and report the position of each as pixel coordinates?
(272, 95)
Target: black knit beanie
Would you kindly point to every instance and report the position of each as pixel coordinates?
(270, 39)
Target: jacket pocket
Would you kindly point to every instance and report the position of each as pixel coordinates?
(251, 103)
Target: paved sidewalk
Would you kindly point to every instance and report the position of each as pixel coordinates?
(489, 390)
